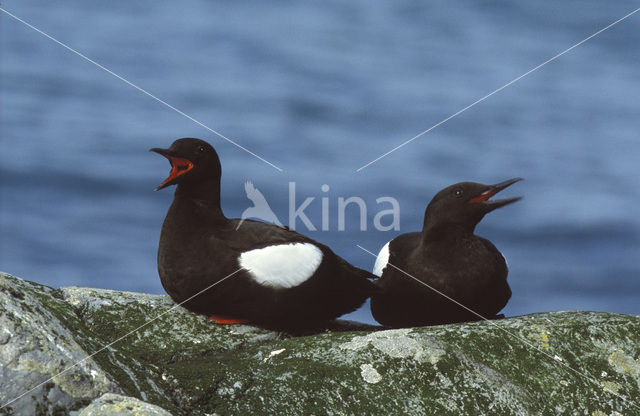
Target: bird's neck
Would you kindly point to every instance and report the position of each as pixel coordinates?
(446, 231)
(205, 194)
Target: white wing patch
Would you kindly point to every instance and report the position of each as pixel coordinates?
(282, 266)
(381, 260)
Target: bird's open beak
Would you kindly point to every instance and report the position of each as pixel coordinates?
(491, 190)
(179, 166)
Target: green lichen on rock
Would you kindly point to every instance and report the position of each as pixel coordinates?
(553, 363)
(110, 404)
(38, 342)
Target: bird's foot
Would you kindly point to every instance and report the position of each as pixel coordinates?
(225, 320)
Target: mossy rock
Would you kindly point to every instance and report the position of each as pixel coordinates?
(110, 404)
(578, 363)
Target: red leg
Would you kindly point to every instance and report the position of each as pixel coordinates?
(225, 320)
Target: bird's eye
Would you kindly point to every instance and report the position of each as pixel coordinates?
(458, 192)
(201, 149)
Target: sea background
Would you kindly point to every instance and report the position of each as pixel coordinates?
(320, 89)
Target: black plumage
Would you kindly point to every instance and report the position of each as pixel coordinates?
(448, 257)
(200, 246)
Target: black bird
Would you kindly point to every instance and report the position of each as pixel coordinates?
(285, 279)
(448, 257)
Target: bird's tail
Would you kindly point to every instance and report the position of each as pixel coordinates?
(361, 280)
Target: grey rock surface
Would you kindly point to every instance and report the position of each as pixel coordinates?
(110, 404)
(37, 345)
(577, 363)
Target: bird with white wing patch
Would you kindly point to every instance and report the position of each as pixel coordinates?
(445, 273)
(286, 280)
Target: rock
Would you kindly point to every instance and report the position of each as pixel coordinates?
(110, 404)
(38, 332)
(551, 363)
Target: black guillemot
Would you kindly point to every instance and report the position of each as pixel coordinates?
(279, 278)
(446, 256)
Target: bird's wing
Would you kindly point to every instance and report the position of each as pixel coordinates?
(282, 266)
(381, 260)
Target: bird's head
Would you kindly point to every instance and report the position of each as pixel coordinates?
(192, 160)
(465, 204)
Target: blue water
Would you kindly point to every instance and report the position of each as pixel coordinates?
(319, 90)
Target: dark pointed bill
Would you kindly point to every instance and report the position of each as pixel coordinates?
(179, 166)
(494, 189)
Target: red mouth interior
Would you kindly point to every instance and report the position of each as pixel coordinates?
(179, 166)
(485, 196)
